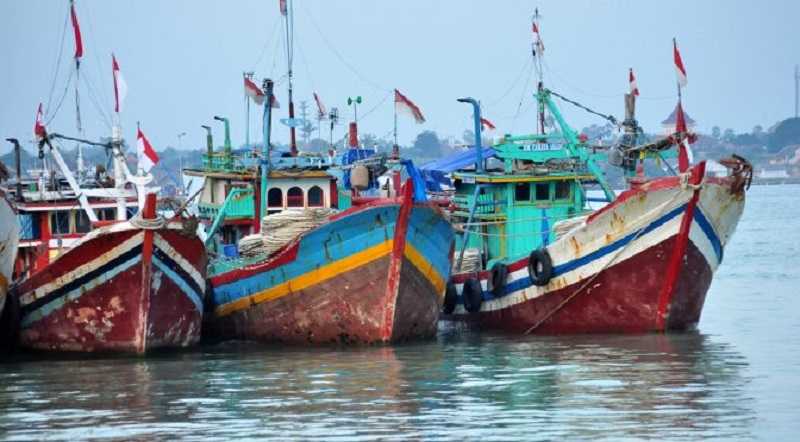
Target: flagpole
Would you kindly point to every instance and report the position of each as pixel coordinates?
(247, 75)
(395, 147)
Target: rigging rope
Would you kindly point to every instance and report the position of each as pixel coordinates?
(58, 65)
(339, 56)
(610, 118)
(61, 100)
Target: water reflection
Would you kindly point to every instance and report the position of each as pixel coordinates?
(464, 385)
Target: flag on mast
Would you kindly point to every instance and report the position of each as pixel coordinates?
(120, 86)
(253, 91)
(77, 31)
(38, 127)
(487, 125)
(632, 81)
(538, 44)
(685, 155)
(680, 71)
(147, 155)
(321, 112)
(406, 106)
(282, 4)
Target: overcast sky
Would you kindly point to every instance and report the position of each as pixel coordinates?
(183, 61)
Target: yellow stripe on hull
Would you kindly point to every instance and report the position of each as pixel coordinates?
(332, 270)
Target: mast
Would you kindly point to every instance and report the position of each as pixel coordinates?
(538, 52)
(288, 14)
(78, 124)
(264, 166)
(249, 76)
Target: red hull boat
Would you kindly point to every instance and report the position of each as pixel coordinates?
(130, 286)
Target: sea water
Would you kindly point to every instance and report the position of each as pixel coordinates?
(737, 376)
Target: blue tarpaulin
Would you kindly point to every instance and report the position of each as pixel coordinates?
(435, 172)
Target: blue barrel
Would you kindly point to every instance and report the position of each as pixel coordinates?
(230, 250)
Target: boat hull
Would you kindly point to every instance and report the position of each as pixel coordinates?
(372, 274)
(122, 289)
(9, 241)
(642, 264)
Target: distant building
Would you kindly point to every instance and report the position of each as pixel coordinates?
(773, 173)
(668, 125)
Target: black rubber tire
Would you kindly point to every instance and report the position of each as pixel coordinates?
(540, 267)
(450, 299)
(499, 276)
(473, 295)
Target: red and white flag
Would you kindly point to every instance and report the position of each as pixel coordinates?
(76, 29)
(537, 39)
(282, 4)
(120, 86)
(487, 125)
(38, 127)
(685, 155)
(147, 155)
(632, 81)
(680, 71)
(253, 91)
(321, 112)
(406, 106)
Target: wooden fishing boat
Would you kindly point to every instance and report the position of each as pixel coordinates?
(542, 261)
(96, 279)
(129, 286)
(9, 240)
(372, 273)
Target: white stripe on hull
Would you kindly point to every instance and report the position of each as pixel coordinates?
(721, 209)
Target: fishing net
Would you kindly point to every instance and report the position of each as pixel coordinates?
(281, 228)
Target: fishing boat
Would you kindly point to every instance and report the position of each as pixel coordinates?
(371, 273)
(533, 256)
(9, 240)
(116, 283)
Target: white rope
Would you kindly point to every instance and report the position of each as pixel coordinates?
(159, 222)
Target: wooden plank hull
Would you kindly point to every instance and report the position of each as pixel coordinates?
(371, 274)
(642, 264)
(122, 289)
(9, 240)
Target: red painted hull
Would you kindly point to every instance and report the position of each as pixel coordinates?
(356, 292)
(347, 309)
(624, 300)
(641, 264)
(122, 290)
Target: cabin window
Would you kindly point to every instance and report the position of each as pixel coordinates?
(275, 197)
(563, 190)
(59, 222)
(542, 191)
(315, 197)
(522, 192)
(294, 197)
(82, 224)
(106, 214)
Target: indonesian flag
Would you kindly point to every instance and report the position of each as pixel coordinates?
(147, 156)
(77, 31)
(282, 5)
(406, 106)
(321, 112)
(38, 127)
(538, 44)
(632, 81)
(120, 86)
(253, 91)
(487, 125)
(680, 71)
(685, 155)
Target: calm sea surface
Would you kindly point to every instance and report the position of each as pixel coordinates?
(737, 377)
